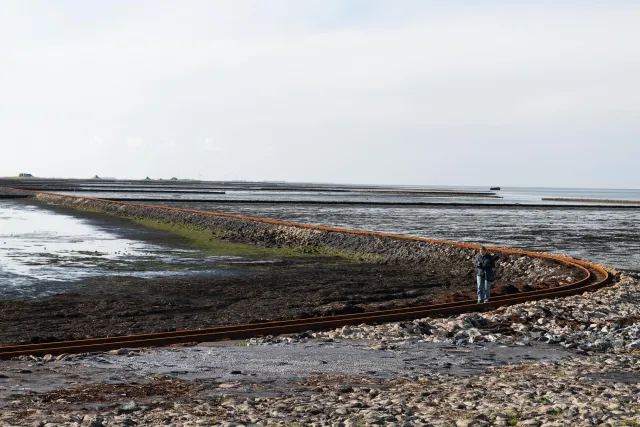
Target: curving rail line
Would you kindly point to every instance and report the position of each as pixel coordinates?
(595, 276)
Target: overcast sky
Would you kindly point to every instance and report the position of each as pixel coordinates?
(381, 92)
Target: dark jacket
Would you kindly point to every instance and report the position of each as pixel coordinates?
(484, 266)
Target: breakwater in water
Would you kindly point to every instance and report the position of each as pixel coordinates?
(583, 200)
(444, 258)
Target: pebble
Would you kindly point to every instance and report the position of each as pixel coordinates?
(129, 406)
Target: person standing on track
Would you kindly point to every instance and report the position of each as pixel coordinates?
(485, 265)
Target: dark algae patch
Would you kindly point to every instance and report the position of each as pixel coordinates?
(289, 288)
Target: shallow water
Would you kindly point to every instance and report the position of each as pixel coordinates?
(272, 370)
(604, 235)
(508, 195)
(43, 252)
(288, 196)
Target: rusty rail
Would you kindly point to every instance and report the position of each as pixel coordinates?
(595, 276)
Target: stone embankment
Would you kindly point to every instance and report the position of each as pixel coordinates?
(521, 272)
(575, 199)
(9, 193)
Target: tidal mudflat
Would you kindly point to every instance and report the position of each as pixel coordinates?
(271, 281)
(608, 236)
(45, 251)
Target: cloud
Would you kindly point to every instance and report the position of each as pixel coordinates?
(134, 142)
(170, 144)
(97, 141)
(408, 83)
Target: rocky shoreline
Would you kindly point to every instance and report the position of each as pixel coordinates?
(598, 384)
(607, 320)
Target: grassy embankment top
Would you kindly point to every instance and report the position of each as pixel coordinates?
(213, 242)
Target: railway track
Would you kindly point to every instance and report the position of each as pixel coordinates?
(594, 277)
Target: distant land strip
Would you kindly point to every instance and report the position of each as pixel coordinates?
(570, 199)
(187, 190)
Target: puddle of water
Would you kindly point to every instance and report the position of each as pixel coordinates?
(295, 361)
(44, 252)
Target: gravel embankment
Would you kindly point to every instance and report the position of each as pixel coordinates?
(10, 193)
(606, 320)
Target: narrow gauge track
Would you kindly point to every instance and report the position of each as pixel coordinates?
(594, 278)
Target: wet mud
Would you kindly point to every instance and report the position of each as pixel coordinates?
(204, 370)
(286, 289)
(49, 251)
